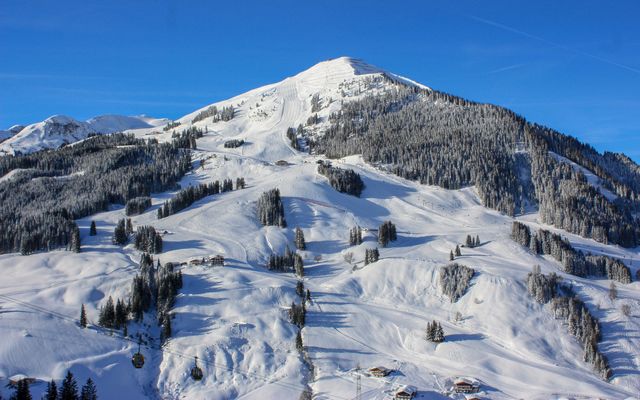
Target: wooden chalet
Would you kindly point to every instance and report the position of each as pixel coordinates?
(379, 372)
(406, 393)
(196, 261)
(465, 386)
(217, 261)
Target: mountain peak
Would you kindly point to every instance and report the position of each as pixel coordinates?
(343, 66)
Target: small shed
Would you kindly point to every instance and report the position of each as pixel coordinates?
(379, 372)
(406, 393)
(463, 385)
(196, 261)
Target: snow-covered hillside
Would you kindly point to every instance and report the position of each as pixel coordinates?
(234, 318)
(59, 130)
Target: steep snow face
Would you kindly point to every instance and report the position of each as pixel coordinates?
(59, 130)
(4, 135)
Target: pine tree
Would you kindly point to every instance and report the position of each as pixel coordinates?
(613, 291)
(299, 344)
(166, 328)
(451, 258)
(469, 242)
(52, 391)
(69, 388)
(120, 314)
(300, 289)
(129, 228)
(477, 243)
(298, 265)
(92, 229)
(308, 297)
(458, 253)
(119, 233)
(300, 243)
(83, 317)
(22, 391)
(107, 316)
(74, 243)
(89, 391)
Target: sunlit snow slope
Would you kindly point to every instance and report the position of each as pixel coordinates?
(234, 318)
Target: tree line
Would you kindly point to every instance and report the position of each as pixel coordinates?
(186, 197)
(270, 209)
(573, 261)
(343, 180)
(567, 306)
(39, 204)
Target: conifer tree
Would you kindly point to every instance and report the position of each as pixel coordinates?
(89, 391)
(477, 243)
(308, 297)
(299, 344)
(458, 253)
(613, 291)
(166, 328)
(92, 229)
(22, 391)
(69, 388)
(119, 233)
(469, 242)
(300, 289)
(52, 391)
(83, 317)
(74, 242)
(129, 227)
(451, 258)
(300, 243)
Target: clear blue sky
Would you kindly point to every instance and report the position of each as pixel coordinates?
(572, 65)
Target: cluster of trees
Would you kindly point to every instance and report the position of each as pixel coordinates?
(316, 104)
(313, 119)
(186, 139)
(472, 242)
(38, 209)
(567, 200)
(299, 240)
(270, 209)
(68, 390)
(566, 306)
(171, 125)
(293, 137)
(148, 240)
(226, 114)
(285, 262)
(298, 314)
(386, 233)
(343, 180)
(355, 236)
(454, 280)
(121, 232)
(574, 261)
(434, 138)
(155, 286)
(111, 316)
(443, 140)
(137, 205)
(434, 332)
(186, 197)
(371, 256)
(233, 143)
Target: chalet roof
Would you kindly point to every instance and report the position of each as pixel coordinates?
(408, 389)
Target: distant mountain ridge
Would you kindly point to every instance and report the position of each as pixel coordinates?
(60, 130)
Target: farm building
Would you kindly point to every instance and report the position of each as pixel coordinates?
(465, 386)
(406, 393)
(217, 260)
(379, 372)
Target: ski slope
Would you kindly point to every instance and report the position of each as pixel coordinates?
(234, 318)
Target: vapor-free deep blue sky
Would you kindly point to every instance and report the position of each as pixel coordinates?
(572, 65)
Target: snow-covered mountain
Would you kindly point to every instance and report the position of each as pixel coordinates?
(235, 318)
(60, 130)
